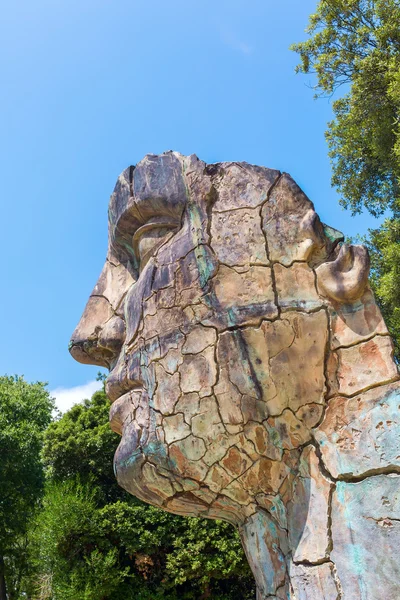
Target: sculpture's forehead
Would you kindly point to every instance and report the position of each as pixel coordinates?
(160, 186)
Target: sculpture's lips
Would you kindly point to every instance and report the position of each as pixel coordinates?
(121, 392)
(121, 409)
(116, 385)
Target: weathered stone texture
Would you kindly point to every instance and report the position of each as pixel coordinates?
(265, 544)
(345, 278)
(356, 322)
(362, 433)
(296, 287)
(241, 185)
(298, 370)
(291, 224)
(251, 374)
(238, 238)
(311, 583)
(366, 537)
(243, 297)
(359, 367)
(308, 511)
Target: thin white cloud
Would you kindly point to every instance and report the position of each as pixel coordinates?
(230, 39)
(67, 397)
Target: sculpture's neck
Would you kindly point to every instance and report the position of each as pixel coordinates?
(346, 482)
(265, 545)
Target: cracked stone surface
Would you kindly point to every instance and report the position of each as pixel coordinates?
(309, 582)
(365, 531)
(251, 373)
(361, 434)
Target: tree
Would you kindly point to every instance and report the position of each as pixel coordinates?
(93, 541)
(384, 248)
(356, 44)
(82, 444)
(25, 412)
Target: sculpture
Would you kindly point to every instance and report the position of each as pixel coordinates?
(251, 374)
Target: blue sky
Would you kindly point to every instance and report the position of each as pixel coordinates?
(88, 88)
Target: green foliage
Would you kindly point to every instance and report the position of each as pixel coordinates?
(357, 43)
(384, 248)
(82, 444)
(203, 550)
(25, 412)
(71, 559)
(93, 541)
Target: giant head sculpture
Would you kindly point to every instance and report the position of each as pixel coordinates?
(247, 357)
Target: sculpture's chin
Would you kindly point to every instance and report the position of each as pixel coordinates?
(149, 474)
(133, 468)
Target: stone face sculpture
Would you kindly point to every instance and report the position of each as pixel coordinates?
(251, 374)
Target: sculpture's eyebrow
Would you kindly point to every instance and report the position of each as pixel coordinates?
(154, 188)
(135, 217)
(138, 214)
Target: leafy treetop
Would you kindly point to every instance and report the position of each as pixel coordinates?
(356, 43)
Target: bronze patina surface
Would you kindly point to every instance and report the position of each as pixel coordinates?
(251, 374)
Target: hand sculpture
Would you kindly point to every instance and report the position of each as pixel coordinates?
(251, 374)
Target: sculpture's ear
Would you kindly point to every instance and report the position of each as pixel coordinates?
(345, 278)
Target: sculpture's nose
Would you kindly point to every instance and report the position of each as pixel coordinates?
(100, 333)
(99, 336)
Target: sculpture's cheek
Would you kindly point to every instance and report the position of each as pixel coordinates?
(240, 297)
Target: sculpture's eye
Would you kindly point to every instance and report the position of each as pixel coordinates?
(149, 238)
